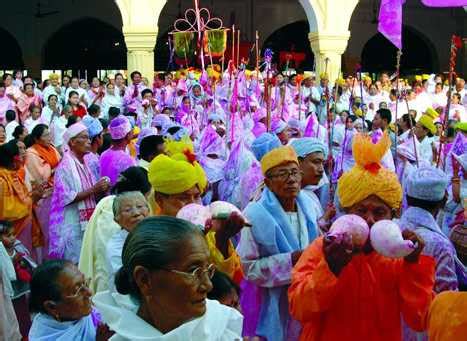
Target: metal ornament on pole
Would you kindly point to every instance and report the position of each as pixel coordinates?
(202, 22)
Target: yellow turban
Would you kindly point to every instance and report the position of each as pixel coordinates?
(277, 157)
(425, 77)
(54, 76)
(359, 113)
(462, 126)
(170, 176)
(340, 81)
(368, 177)
(324, 76)
(427, 118)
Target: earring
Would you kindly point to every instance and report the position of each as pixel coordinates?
(57, 317)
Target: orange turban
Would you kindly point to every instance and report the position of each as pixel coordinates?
(368, 177)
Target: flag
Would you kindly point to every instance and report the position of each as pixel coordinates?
(445, 3)
(390, 21)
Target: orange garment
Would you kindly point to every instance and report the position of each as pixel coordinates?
(41, 162)
(15, 201)
(447, 319)
(367, 299)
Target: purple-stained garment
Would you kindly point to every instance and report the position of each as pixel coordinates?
(68, 220)
(132, 98)
(212, 144)
(5, 104)
(390, 21)
(113, 162)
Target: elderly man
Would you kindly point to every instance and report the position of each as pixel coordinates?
(339, 292)
(74, 196)
(426, 189)
(178, 180)
(283, 225)
(116, 159)
(312, 154)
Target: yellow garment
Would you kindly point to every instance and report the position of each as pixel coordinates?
(359, 113)
(230, 266)
(278, 156)
(368, 177)
(447, 319)
(15, 201)
(170, 176)
(92, 260)
(132, 148)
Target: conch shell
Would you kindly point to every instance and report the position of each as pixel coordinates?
(386, 239)
(353, 225)
(222, 208)
(196, 214)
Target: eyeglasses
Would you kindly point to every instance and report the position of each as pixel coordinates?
(81, 290)
(198, 274)
(284, 175)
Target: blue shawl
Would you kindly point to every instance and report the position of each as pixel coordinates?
(274, 235)
(45, 328)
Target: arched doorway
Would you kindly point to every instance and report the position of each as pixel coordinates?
(162, 52)
(419, 55)
(86, 44)
(291, 38)
(11, 57)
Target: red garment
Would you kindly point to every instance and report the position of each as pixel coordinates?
(365, 302)
(80, 111)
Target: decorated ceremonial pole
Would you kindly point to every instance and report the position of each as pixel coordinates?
(238, 49)
(330, 128)
(257, 54)
(396, 130)
(456, 43)
(267, 89)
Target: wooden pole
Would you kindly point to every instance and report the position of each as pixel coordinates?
(238, 48)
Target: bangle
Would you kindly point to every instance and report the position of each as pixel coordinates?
(455, 179)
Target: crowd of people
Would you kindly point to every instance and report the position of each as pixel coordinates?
(199, 207)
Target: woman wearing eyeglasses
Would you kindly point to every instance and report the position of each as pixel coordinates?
(61, 300)
(167, 274)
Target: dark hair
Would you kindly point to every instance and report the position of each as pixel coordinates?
(146, 91)
(104, 123)
(113, 112)
(26, 84)
(38, 130)
(385, 114)
(50, 96)
(44, 286)
(1, 125)
(134, 73)
(19, 130)
(5, 76)
(10, 115)
(7, 153)
(458, 95)
(119, 74)
(93, 109)
(106, 143)
(72, 93)
(2, 85)
(406, 118)
(71, 120)
(132, 179)
(173, 130)
(425, 204)
(222, 285)
(149, 145)
(154, 243)
(5, 226)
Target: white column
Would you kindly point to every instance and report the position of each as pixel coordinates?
(327, 46)
(140, 52)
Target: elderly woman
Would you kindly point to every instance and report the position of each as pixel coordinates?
(61, 300)
(167, 273)
(26, 101)
(129, 208)
(74, 196)
(102, 226)
(283, 225)
(333, 277)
